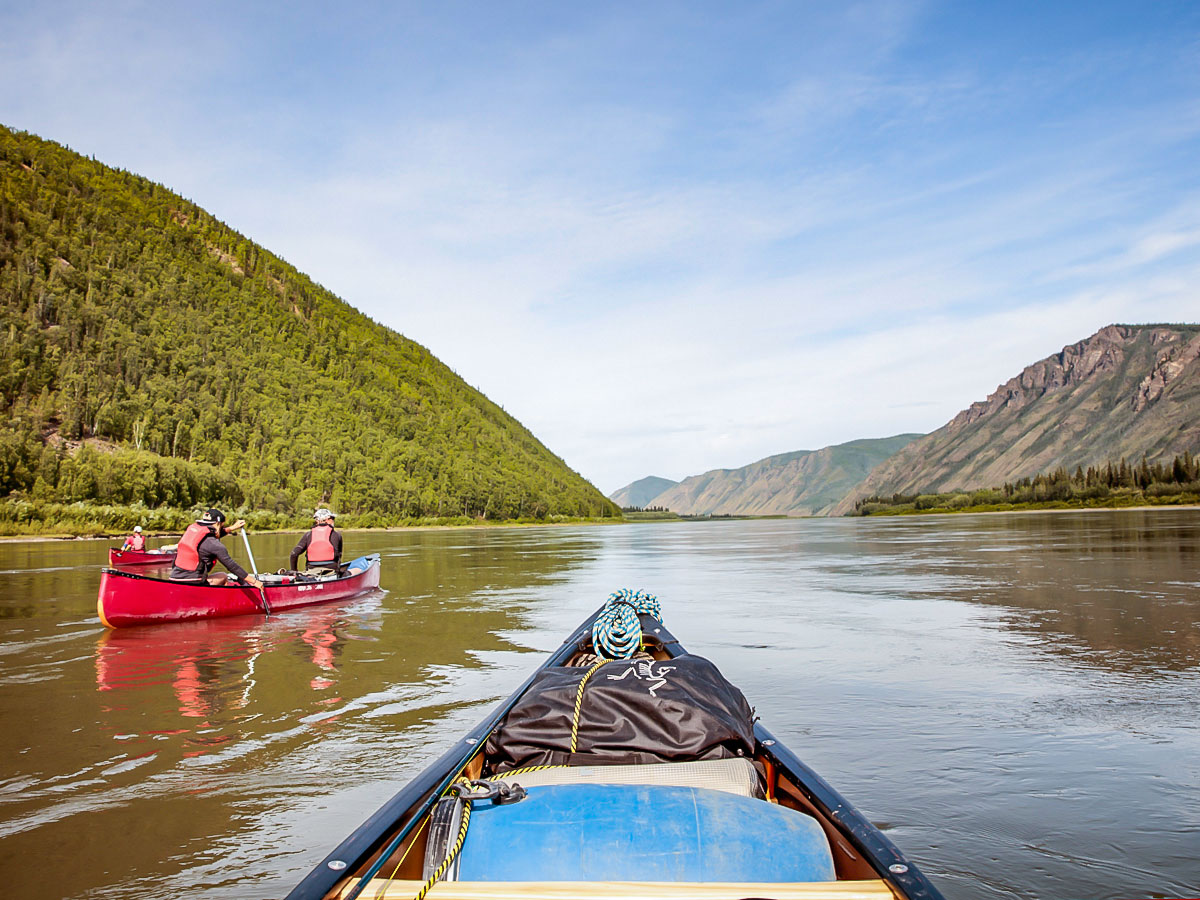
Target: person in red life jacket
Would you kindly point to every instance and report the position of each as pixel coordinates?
(135, 541)
(200, 548)
(321, 544)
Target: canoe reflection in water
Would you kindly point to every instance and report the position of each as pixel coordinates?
(213, 665)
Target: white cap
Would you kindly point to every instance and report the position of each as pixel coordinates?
(137, 527)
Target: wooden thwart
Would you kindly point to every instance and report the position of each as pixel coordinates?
(382, 889)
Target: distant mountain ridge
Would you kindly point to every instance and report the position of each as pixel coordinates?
(1126, 391)
(642, 492)
(800, 483)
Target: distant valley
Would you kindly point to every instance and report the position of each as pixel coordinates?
(641, 493)
(802, 483)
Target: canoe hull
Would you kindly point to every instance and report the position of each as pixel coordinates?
(127, 558)
(874, 867)
(126, 599)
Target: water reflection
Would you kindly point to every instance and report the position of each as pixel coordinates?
(1014, 696)
(210, 665)
(1119, 591)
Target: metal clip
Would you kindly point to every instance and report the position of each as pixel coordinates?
(499, 792)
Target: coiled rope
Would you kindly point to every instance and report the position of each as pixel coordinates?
(617, 631)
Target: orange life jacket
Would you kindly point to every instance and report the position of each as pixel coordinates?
(136, 541)
(187, 554)
(320, 547)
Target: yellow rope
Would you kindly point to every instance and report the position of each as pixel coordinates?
(462, 830)
(523, 771)
(411, 844)
(458, 843)
(579, 703)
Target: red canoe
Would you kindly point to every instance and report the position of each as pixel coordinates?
(140, 557)
(127, 599)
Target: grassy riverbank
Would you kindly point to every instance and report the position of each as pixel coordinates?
(952, 503)
(1112, 486)
(34, 518)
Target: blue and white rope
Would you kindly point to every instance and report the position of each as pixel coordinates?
(617, 631)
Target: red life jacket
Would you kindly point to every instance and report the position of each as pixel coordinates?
(136, 541)
(187, 554)
(320, 546)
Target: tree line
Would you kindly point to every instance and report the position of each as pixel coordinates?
(1113, 483)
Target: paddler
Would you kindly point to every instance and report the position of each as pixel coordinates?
(135, 541)
(200, 548)
(321, 545)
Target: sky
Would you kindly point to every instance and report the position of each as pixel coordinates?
(671, 237)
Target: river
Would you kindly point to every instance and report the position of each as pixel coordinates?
(1013, 699)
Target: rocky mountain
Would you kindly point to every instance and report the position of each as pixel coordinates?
(802, 483)
(153, 355)
(641, 492)
(1126, 391)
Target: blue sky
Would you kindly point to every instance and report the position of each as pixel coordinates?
(670, 237)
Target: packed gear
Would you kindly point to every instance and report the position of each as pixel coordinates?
(612, 713)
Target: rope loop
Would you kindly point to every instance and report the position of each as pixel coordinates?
(617, 631)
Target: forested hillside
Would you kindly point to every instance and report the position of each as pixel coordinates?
(151, 354)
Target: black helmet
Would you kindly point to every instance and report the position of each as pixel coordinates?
(213, 516)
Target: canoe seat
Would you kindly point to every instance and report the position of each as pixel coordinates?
(733, 776)
(637, 832)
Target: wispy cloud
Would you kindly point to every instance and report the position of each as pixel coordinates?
(669, 238)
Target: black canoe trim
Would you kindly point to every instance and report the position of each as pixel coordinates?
(419, 795)
(370, 836)
(880, 852)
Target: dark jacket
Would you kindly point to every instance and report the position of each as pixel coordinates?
(302, 547)
(211, 551)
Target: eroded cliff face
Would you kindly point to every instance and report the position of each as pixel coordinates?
(1126, 391)
(1101, 353)
(1173, 361)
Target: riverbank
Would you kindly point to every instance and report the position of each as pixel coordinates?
(1049, 506)
(25, 520)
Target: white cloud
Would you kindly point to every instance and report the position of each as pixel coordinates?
(662, 259)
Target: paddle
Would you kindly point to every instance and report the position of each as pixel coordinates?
(253, 565)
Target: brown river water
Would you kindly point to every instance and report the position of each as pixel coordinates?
(1013, 699)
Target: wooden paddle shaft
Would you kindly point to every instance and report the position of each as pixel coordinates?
(250, 553)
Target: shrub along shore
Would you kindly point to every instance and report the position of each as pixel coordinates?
(23, 517)
(1112, 486)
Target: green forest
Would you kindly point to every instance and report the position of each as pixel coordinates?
(155, 359)
(1113, 484)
